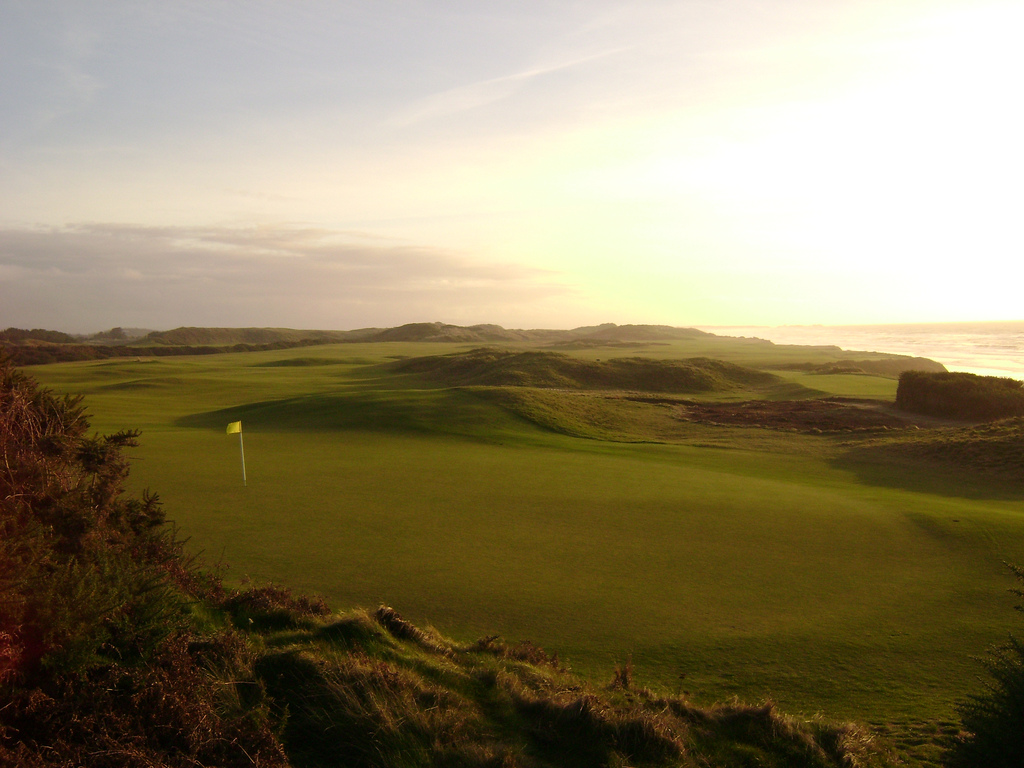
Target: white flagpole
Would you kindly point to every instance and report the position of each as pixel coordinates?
(241, 446)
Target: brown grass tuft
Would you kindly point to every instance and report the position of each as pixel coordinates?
(524, 651)
(393, 622)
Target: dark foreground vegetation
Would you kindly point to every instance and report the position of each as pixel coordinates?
(960, 395)
(115, 650)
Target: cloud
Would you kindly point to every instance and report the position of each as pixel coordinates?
(478, 94)
(93, 276)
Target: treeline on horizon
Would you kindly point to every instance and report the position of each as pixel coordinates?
(965, 396)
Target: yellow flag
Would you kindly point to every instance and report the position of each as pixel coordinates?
(234, 427)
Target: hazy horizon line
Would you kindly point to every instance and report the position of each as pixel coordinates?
(698, 326)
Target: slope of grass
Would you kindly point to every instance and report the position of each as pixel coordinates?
(496, 367)
(984, 460)
(392, 694)
(116, 651)
(750, 562)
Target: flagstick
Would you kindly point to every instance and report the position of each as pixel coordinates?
(241, 445)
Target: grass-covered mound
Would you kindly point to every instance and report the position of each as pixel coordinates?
(502, 368)
(886, 365)
(960, 395)
(991, 450)
(116, 651)
(391, 694)
(817, 415)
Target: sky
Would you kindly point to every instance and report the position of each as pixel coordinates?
(339, 165)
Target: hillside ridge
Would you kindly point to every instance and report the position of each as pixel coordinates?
(154, 662)
(40, 346)
(546, 369)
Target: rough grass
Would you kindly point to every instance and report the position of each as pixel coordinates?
(988, 455)
(891, 366)
(391, 694)
(497, 367)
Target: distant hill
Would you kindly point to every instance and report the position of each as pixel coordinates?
(119, 335)
(495, 367)
(441, 332)
(614, 332)
(598, 335)
(40, 346)
(608, 334)
(222, 336)
(25, 336)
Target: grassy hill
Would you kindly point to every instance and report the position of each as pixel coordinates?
(34, 347)
(496, 367)
(196, 337)
(116, 650)
(971, 456)
(726, 557)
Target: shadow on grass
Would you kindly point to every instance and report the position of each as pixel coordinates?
(886, 465)
(446, 412)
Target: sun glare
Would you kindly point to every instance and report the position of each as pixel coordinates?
(922, 165)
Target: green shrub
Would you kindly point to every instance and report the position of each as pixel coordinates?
(960, 395)
(993, 721)
(99, 663)
(83, 567)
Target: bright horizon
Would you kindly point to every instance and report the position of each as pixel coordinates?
(343, 165)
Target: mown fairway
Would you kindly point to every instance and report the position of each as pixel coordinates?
(727, 561)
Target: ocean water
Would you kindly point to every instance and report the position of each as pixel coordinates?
(989, 349)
